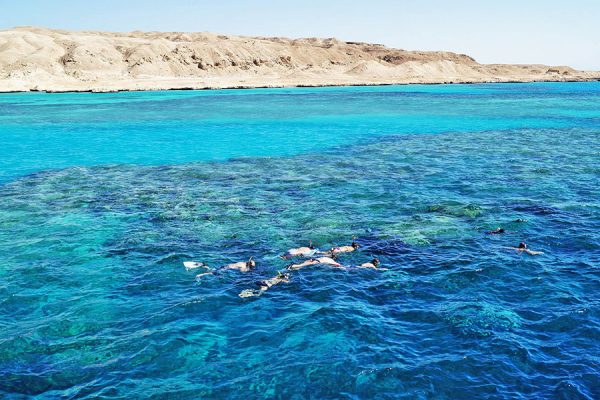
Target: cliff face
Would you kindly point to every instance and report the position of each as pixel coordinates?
(55, 60)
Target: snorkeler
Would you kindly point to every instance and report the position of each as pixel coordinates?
(314, 261)
(299, 252)
(342, 249)
(268, 283)
(522, 248)
(496, 231)
(373, 264)
(301, 265)
(240, 266)
(328, 261)
(265, 285)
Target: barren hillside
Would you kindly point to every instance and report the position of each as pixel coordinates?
(55, 60)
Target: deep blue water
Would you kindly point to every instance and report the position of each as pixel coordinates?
(103, 196)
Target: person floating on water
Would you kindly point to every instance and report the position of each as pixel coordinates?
(240, 266)
(497, 231)
(265, 285)
(314, 261)
(294, 267)
(522, 248)
(328, 261)
(342, 249)
(299, 252)
(268, 283)
(373, 264)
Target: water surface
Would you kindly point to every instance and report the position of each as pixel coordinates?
(104, 195)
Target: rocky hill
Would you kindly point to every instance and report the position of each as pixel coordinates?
(56, 60)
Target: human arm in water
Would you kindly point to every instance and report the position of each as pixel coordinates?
(533, 253)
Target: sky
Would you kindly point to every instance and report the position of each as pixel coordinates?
(549, 32)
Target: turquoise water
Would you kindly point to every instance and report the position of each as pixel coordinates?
(105, 195)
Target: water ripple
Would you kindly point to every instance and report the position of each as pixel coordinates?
(95, 301)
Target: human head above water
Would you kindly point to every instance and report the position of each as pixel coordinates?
(355, 245)
(251, 263)
(522, 245)
(375, 261)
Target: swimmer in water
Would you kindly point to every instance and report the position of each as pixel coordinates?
(328, 261)
(342, 249)
(299, 252)
(522, 248)
(240, 266)
(497, 231)
(294, 267)
(268, 283)
(314, 261)
(265, 285)
(373, 264)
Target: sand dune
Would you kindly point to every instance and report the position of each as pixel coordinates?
(56, 60)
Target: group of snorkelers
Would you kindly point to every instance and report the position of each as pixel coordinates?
(312, 256)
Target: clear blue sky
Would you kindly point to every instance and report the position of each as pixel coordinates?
(513, 31)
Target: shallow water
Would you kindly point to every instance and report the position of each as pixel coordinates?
(104, 195)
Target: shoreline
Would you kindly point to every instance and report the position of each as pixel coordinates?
(58, 61)
(288, 86)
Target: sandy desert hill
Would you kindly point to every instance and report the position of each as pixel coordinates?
(56, 60)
